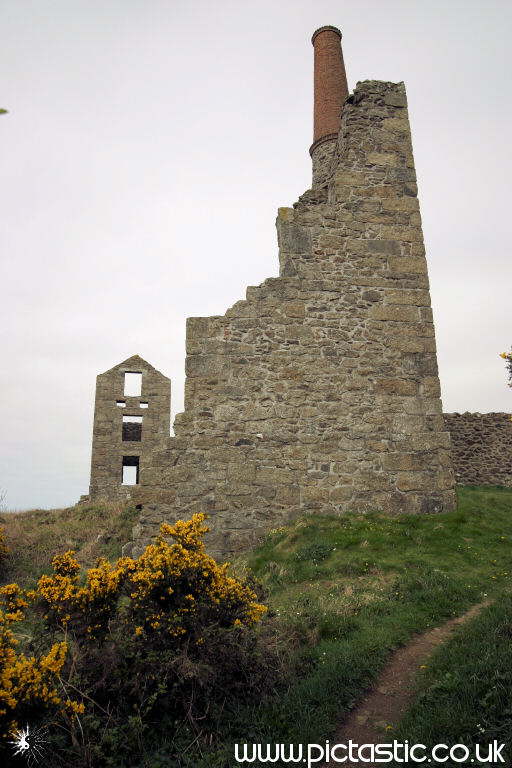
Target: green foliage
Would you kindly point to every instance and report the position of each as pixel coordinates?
(313, 552)
(381, 580)
(151, 642)
(465, 692)
(343, 594)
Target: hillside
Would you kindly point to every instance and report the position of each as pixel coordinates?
(33, 537)
(343, 593)
(357, 587)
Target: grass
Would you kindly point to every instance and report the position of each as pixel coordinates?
(344, 593)
(465, 693)
(93, 530)
(355, 588)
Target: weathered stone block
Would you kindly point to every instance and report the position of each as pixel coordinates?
(382, 158)
(408, 265)
(403, 461)
(384, 246)
(398, 124)
(411, 481)
(396, 387)
(397, 313)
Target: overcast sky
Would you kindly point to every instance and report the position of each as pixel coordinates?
(147, 148)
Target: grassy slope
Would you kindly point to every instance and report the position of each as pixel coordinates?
(355, 588)
(465, 692)
(33, 538)
(351, 589)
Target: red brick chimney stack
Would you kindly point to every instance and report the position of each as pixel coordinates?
(330, 88)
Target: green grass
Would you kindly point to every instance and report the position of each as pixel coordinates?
(465, 693)
(355, 588)
(343, 593)
(93, 530)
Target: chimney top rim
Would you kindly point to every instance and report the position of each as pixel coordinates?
(327, 28)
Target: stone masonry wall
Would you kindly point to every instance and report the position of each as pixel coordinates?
(482, 447)
(322, 157)
(319, 392)
(110, 441)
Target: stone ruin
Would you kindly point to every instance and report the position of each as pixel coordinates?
(481, 447)
(318, 393)
(128, 425)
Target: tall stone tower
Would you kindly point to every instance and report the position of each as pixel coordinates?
(319, 393)
(131, 415)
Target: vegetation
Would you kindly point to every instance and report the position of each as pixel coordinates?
(508, 357)
(28, 685)
(33, 538)
(464, 693)
(130, 640)
(342, 594)
(4, 551)
(357, 587)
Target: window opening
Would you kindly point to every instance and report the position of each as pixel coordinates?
(132, 384)
(132, 428)
(130, 471)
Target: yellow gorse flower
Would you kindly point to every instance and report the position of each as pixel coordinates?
(181, 577)
(26, 679)
(167, 588)
(168, 595)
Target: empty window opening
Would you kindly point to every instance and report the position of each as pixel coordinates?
(130, 470)
(132, 428)
(144, 405)
(121, 403)
(132, 384)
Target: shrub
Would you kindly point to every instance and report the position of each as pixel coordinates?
(170, 632)
(26, 683)
(172, 592)
(508, 357)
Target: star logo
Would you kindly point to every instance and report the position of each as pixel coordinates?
(30, 744)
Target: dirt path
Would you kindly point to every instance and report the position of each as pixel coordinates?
(388, 701)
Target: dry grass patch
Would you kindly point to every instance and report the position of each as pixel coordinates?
(34, 537)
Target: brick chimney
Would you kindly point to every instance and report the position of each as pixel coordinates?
(330, 92)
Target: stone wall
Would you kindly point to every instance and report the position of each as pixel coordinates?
(482, 447)
(319, 392)
(323, 156)
(112, 440)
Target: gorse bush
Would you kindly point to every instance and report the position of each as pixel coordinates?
(173, 591)
(169, 632)
(27, 684)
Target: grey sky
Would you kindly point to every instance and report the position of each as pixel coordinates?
(148, 146)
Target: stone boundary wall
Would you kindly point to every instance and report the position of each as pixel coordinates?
(481, 447)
